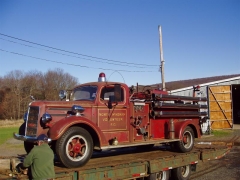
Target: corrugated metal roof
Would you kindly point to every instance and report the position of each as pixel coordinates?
(206, 84)
(189, 83)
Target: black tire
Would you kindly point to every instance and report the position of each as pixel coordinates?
(181, 173)
(187, 142)
(21, 130)
(27, 145)
(162, 175)
(75, 147)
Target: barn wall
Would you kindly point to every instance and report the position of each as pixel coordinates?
(188, 91)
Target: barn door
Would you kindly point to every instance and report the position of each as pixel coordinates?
(220, 106)
(236, 103)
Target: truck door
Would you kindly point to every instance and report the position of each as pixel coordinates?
(113, 113)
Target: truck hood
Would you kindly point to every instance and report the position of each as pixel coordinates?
(60, 109)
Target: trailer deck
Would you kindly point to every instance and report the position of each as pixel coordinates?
(130, 163)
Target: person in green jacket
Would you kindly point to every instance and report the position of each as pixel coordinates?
(41, 160)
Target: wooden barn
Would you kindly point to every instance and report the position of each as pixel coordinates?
(223, 93)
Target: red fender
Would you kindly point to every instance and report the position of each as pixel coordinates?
(58, 128)
(180, 125)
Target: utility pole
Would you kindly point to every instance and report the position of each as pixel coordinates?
(161, 58)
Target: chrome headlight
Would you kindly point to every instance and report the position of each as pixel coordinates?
(77, 110)
(46, 118)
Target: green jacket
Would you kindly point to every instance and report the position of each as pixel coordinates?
(41, 160)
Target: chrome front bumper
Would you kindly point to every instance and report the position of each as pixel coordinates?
(27, 138)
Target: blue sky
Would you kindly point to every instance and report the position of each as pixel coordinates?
(201, 38)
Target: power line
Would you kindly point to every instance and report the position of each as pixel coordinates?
(74, 52)
(70, 55)
(69, 64)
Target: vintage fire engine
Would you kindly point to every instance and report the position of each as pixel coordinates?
(104, 115)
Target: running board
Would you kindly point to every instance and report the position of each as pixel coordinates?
(121, 145)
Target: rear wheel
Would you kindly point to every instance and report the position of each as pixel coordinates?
(187, 140)
(75, 147)
(162, 175)
(181, 173)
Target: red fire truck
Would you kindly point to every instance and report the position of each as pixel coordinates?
(105, 115)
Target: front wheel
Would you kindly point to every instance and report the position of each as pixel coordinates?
(187, 140)
(75, 147)
(27, 145)
(181, 173)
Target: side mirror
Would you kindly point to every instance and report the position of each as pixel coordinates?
(62, 94)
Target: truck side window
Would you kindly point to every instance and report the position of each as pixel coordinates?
(84, 93)
(108, 92)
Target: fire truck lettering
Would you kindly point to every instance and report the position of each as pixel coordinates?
(114, 114)
(103, 114)
(112, 124)
(113, 119)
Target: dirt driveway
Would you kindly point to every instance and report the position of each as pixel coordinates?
(226, 168)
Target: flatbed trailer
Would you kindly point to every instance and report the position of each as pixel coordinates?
(130, 163)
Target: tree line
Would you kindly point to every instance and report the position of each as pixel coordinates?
(17, 87)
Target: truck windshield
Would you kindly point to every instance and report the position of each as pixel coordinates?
(84, 93)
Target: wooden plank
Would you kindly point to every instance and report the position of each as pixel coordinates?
(220, 115)
(219, 120)
(220, 106)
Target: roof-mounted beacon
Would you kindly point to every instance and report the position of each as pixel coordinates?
(102, 77)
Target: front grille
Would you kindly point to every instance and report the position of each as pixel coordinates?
(32, 121)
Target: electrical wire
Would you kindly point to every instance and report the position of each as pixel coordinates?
(69, 64)
(71, 55)
(74, 52)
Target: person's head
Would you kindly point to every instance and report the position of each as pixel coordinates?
(42, 138)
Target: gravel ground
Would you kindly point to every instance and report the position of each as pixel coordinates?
(226, 168)
(11, 148)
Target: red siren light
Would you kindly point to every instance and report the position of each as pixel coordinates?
(102, 77)
(196, 88)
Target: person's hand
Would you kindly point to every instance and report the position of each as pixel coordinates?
(21, 169)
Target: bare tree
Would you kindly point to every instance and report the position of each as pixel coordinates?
(16, 88)
(56, 80)
(13, 98)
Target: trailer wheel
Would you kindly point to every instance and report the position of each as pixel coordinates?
(181, 173)
(75, 147)
(162, 175)
(187, 142)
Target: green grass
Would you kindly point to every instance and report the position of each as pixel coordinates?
(7, 133)
(222, 133)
